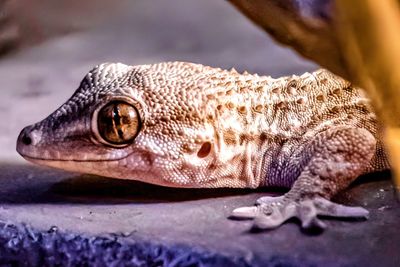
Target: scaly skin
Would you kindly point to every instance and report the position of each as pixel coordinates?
(199, 126)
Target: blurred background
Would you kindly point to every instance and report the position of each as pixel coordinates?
(46, 47)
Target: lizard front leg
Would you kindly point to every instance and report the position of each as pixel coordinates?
(327, 164)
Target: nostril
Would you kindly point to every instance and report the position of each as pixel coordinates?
(26, 140)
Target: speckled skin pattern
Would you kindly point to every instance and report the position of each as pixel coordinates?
(207, 127)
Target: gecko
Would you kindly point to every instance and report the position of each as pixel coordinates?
(186, 125)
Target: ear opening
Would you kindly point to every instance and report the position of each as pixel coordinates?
(204, 150)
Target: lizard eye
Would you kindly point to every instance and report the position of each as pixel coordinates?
(118, 123)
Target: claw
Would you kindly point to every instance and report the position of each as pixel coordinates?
(245, 212)
(328, 208)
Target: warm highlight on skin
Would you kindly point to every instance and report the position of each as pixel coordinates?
(207, 127)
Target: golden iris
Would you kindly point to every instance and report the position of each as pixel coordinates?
(118, 122)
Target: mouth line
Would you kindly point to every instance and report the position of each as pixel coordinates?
(70, 160)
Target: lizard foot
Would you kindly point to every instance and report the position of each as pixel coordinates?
(271, 212)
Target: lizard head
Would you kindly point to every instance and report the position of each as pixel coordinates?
(150, 123)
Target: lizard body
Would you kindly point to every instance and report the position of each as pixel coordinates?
(188, 125)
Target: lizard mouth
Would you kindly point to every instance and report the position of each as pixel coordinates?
(42, 161)
(32, 148)
(97, 167)
(41, 156)
(102, 168)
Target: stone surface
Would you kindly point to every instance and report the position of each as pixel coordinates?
(63, 218)
(54, 217)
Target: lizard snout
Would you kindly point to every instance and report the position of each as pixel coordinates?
(27, 140)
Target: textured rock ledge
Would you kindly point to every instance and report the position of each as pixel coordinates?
(63, 218)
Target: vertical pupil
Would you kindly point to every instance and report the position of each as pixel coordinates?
(116, 116)
(117, 121)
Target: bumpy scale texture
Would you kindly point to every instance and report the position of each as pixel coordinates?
(207, 127)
